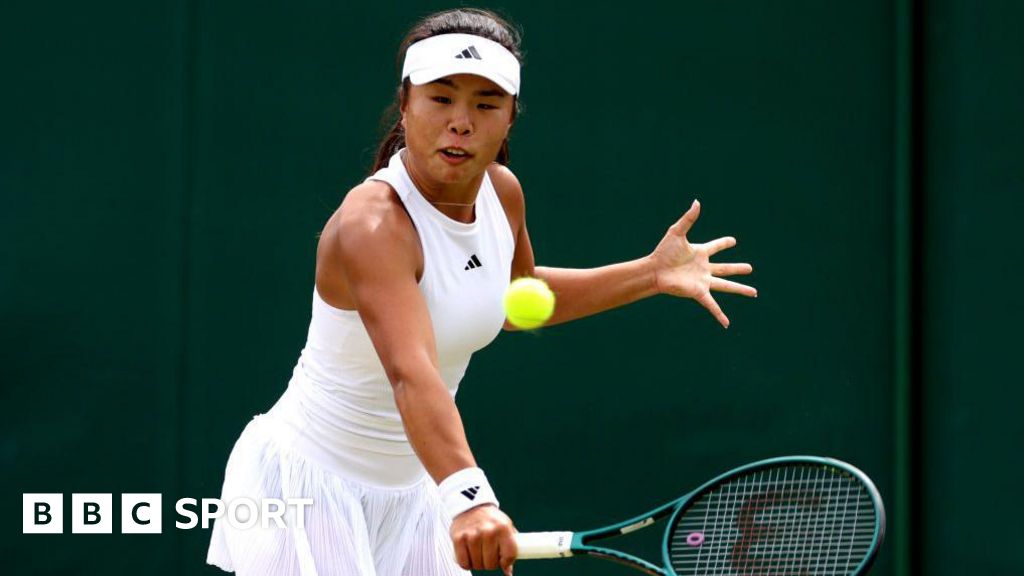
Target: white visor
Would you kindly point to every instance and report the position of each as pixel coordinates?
(447, 54)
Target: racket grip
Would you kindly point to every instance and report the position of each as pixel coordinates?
(534, 545)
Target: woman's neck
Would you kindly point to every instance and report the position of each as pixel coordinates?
(456, 199)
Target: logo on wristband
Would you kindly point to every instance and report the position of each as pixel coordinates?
(471, 492)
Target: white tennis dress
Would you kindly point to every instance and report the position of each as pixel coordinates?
(336, 436)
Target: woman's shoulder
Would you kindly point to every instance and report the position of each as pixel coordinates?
(369, 227)
(504, 180)
(370, 204)
(509, 191)
(371, 212)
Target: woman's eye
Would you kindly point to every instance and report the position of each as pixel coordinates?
(442, 99)
(486, 107)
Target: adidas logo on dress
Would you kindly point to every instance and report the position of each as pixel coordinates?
(470, 53)
(471, 492)
(474, 262)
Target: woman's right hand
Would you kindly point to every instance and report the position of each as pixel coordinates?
(483, 539)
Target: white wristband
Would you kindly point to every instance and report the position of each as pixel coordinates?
(465, 489)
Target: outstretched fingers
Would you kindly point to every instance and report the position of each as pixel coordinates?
(716, 246)
(683, 225)
(730, 269)
(721, 285)
(708, 302)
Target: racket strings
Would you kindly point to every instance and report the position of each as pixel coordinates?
(781, 521)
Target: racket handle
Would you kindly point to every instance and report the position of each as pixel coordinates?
(533, 545)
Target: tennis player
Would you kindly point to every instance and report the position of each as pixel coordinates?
(410, 274)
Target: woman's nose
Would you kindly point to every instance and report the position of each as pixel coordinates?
(461, 124)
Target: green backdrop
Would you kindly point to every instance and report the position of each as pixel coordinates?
(166, 167)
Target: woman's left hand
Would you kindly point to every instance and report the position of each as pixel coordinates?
(684, 269)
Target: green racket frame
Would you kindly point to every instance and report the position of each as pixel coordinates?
(581, 542)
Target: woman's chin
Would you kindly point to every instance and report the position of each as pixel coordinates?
(456, 174)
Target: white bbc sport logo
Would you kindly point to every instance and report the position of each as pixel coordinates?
(91, 514)
(42, 513)
(141, 513)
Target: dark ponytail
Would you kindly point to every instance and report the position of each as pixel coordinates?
(460, 21)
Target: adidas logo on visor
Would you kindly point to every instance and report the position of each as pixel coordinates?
(469, 53)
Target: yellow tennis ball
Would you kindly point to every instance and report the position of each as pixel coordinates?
(529, 303)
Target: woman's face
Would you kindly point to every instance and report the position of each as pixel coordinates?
(454, 126)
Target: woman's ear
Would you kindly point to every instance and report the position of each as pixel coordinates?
(403, 101)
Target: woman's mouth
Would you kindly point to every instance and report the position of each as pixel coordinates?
(454, 155)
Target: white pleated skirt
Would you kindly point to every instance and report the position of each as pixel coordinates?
(351, 528)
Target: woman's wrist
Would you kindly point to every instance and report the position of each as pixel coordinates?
(465, 489)
(651, 266)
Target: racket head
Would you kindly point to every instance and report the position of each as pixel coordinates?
(790, 515)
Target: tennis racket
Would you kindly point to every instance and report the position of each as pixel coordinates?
(792, 516)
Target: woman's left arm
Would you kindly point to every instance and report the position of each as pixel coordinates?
(676, 267)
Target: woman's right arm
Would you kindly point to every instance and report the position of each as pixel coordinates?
(373, 246)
